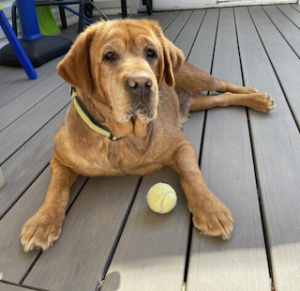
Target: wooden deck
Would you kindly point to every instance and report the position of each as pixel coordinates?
(250, 160)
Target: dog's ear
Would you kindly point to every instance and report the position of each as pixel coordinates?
(173, 56)
(75, 68)
(174, 59)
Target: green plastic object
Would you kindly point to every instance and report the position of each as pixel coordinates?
(46, 21)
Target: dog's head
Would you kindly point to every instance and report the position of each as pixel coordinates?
(123, 62)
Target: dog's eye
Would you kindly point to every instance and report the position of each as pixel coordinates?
(110, 56)
(151, 54)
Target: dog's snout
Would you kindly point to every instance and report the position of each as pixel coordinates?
(140, 84)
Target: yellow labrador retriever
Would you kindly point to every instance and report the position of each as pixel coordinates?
(133, 92)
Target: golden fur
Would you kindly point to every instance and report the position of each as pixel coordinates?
(99, 65)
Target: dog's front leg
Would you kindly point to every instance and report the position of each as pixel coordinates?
(44, 227)
(210, 215)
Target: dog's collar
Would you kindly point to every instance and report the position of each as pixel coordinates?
(88, 118)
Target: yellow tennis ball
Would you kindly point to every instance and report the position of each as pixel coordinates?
(161, 198)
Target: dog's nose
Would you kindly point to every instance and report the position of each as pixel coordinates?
(139, 84)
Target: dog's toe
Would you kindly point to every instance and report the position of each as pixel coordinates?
(39, 232)
(213, 219)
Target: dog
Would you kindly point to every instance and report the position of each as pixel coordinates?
(133, 92)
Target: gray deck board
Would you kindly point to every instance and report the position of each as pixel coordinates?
(168, 19)
(297, 7)
(15, 263)
(16, 108)
(227, 167)
(11, 78)
(18, 132)
(19, 86)
(90, 228)
(186, 38)
(27, 163)
(291, 13)
(205, 41)
(16, 82)
(5, 70)
(147, 236)
(152, 243)
(172, 31)
(8, 287)
(285, 61)
(276, 145)
(157, 16)
(288, 30)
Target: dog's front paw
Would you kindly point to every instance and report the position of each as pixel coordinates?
(40, 231)
(212, 217)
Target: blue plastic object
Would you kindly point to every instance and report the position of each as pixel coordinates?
(16, 46)
(28, 19)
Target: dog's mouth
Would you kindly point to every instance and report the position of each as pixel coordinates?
(145, 113)
(144, 109)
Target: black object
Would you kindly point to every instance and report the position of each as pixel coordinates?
(124, 8)
(39, 51)
(88, 8)
(149, 6)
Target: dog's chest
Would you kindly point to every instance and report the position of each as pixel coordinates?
(108, 158)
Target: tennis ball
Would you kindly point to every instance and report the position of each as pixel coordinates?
(161, 198)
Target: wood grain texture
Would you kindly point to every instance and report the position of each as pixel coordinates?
(27, 163)
(11, 78)
(152, 249)
(21, 130)
(285, 61)
(297, 7)
(5, 70)
(2, 179)
(8, 287)
(174, 29)
(203, 49)
(92, 227)
(187, 36)
(240, 263)
(292, 12)
(289, 31)
(14, 261)
(28, 99)
(155, 244)
(168, 19)
(276, 145)
(157, 16)
(19, 86)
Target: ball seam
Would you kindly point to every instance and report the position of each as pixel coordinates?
(162, 201)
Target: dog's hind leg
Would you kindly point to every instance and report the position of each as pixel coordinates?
(257, 101)
(194, 80)
(44, 227)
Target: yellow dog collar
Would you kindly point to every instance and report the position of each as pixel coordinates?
(88, 118)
